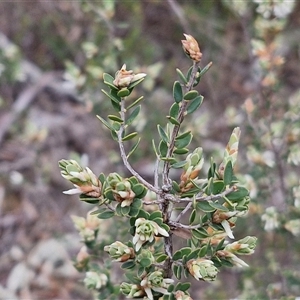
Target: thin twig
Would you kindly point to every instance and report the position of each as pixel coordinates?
(179, 225)
(124, 156)
(183, 211)
(181, 115)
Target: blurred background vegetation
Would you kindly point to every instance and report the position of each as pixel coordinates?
(52, 57)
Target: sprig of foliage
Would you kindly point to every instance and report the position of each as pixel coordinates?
(200, 209)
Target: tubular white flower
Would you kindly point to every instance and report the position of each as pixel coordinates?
(145, 231)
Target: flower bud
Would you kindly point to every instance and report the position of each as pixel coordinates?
(293, 226)
(231, 151)
(156, 282)
(191, 170)
(82, 259)
(244, 246)
(119, 251)
(180, 295)
(131, 290)
(145, 231)
(271, 218)
(124, 78)
(93, 280)
(121, 189)
(87, 227)
(231, 258)
(203, 269)
(84, 180)
(191, 48)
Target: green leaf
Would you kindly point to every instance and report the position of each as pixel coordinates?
(190, 95)
(218, 186)
(129, 136)
(134, 147)
(194, 104)
(179, 164)
(192, 216)
(186, 251)
(183, 135)
(177, 92)
(163, 134)
(133, 115)
(205, 206)
(155, 215)
(203, 251)
(108, 80)
(134, 211)
(177, 255)
(200, 233)
(182, 286)
(194, 254)
(174, 110)
(137, 101)
(239, 194)
(124, 92)
(87, 199)
(173, 120)
(145, 262)
(228, 173)
(155, 149)
(125, 210)
(163, 148)
(112, 97)
(116, 106)
(182, 77)
(181, 151)
(212, 169)
(218, 206)
(170, 288)
(220, 245)
(170, 159)
(205, 69)
(177, 270)
(135, 83)
(183, 140)
(143, 214)
(106, 214)
(106, 124)
(129, 264)
(161, 258)
(115, 118)
(138, 189)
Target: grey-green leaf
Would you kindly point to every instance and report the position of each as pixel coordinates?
(177, 92)
(133, 115)
(163, 134)
(190, 95)
(195, 104)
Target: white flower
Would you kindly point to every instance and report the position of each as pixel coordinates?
(145, 231)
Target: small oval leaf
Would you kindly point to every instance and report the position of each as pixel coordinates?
(190, 95)
(174, 110)
(177, 92)
(115, 118)
(195, 104)
(129, 136)
(133, 115)
(173, 120)
(162, 134)
(106, 214)
(205, 206)
(123, 93)
(182, 77)
(182, 142)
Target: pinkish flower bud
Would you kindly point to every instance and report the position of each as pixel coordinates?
(191, 48)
